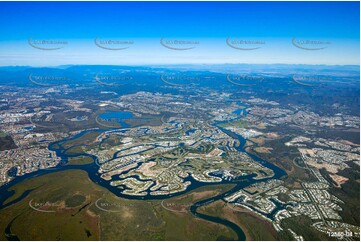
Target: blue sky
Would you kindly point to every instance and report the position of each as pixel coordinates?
(335, 25)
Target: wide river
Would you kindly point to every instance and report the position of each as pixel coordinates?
(92, 170)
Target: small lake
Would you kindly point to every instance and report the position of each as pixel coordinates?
(118, 117)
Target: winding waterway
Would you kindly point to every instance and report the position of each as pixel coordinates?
(92, 170)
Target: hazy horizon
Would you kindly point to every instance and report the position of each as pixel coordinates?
(141, 33)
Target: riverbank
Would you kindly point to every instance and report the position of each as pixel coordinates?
(72, 218)
(254, 227)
